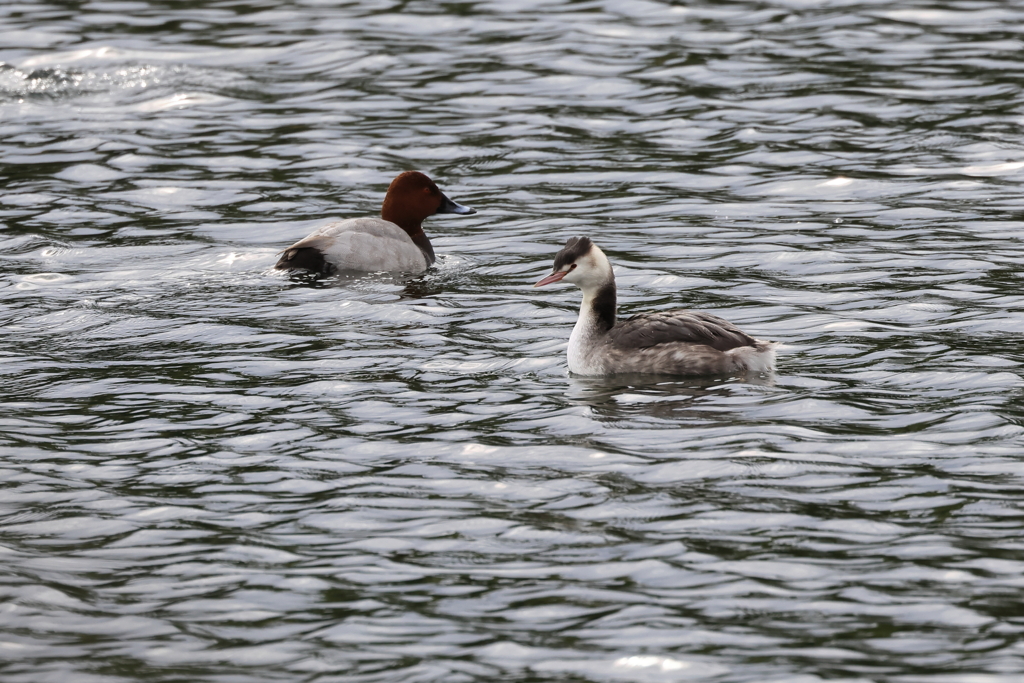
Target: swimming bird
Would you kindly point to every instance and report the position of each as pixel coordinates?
(394, 242)
(666, 342)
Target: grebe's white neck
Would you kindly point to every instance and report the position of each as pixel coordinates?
(597, 317)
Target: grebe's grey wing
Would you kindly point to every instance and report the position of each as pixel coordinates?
(694, 327)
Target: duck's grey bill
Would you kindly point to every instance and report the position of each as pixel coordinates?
(448, 206)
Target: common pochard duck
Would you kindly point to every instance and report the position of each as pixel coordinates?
(666, 342)
(394, 242)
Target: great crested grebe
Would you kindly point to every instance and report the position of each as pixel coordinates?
(675, 342)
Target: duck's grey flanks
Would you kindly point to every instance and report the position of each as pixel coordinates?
(666, 342)
(394, 242)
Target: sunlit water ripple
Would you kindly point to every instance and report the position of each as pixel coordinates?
(217, 473)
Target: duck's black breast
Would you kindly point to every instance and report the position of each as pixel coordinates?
(693, 327)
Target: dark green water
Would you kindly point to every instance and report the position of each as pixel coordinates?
(212, 473)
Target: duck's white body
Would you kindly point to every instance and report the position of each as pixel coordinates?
(667, 342)
(366, 244)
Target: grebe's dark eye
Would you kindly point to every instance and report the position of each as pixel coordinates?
(572, 267)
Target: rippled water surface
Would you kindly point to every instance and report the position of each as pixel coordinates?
(214, 472)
